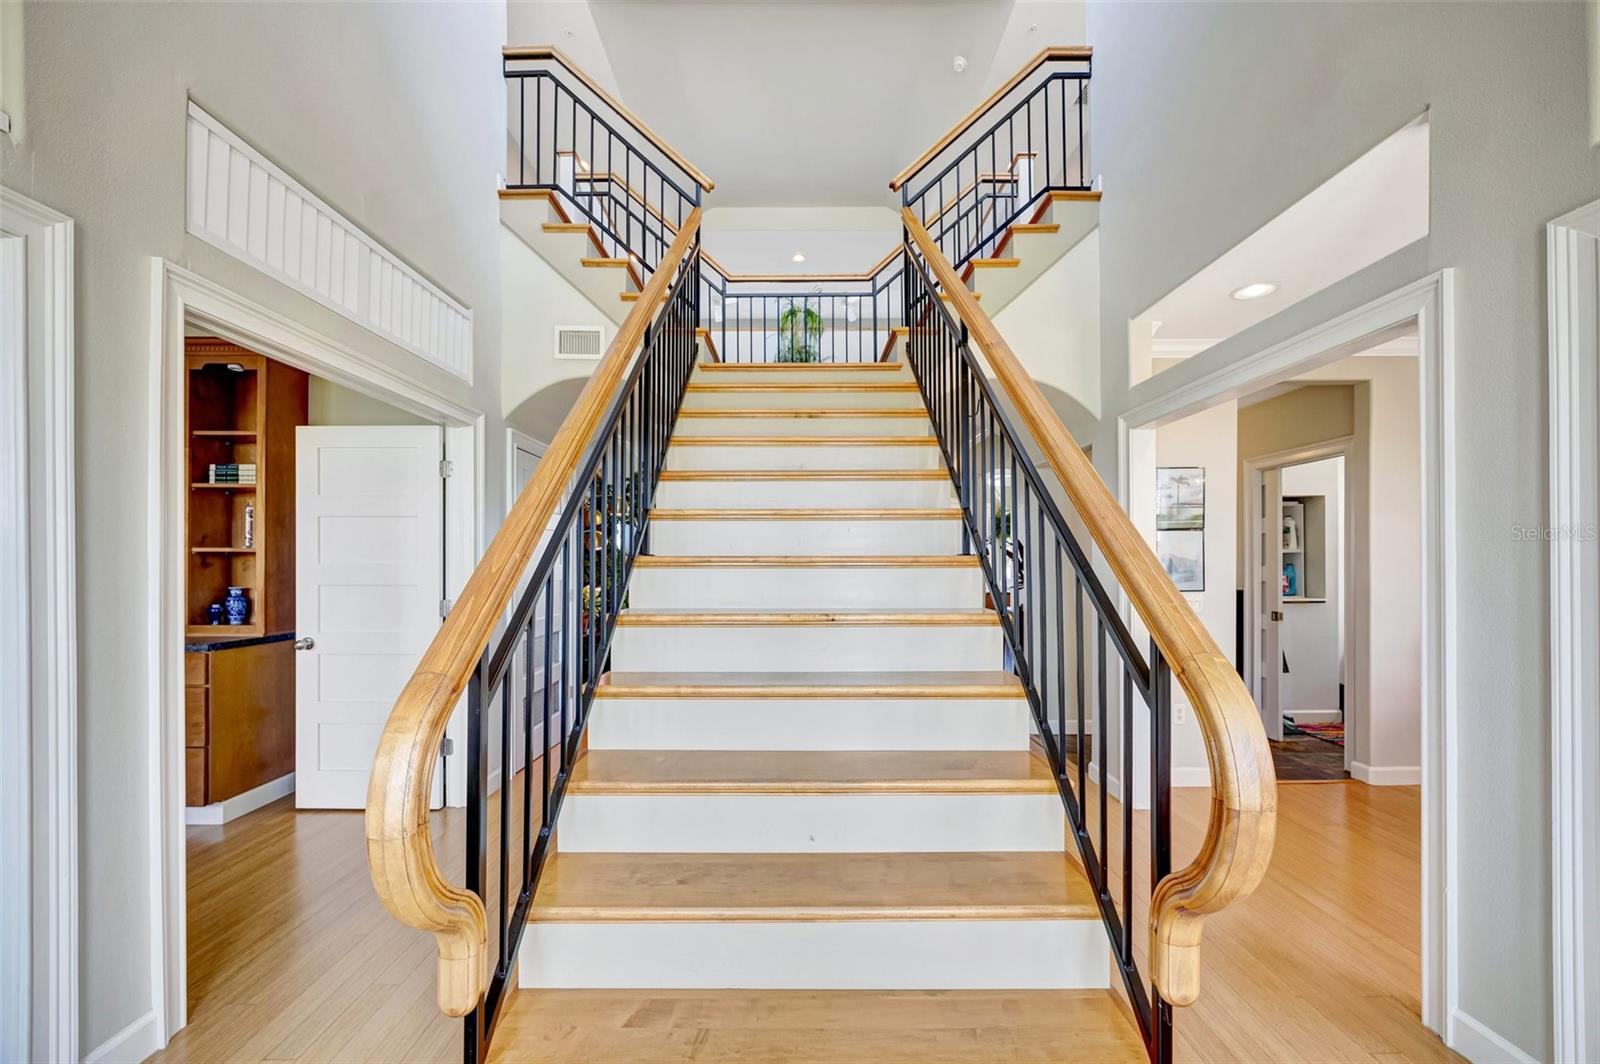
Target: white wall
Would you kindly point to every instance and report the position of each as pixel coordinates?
(1311, 635)
(328, 403)
(538, 299)
(1054, 325)
(1210, 119)
(394, 114)
(1208, 439)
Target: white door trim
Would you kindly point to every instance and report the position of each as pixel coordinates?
(52, 750)
(1251, 483)
(1429, 301)
(1573, 249)
(177, 295)
(516, 440)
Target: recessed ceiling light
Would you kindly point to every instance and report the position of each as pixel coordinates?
(799, 257)
(1254, 290)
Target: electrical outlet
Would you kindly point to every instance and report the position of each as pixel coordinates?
(1180, 711)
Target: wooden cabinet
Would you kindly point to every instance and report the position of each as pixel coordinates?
(238, 718)
(241, 409)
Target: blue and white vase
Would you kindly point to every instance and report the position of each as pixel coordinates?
(237, 605)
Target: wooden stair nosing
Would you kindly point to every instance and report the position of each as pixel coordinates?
(663, 618)
(807, 561)
(798, 513)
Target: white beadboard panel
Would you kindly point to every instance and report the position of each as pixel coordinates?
(240, 201)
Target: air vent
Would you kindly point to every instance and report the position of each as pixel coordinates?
(580, 341)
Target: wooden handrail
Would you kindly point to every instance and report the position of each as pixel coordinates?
(553, 54)
(1244, 796)
(399, 843)
(1045, 55)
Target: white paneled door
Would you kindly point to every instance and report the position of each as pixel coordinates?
(369, 578)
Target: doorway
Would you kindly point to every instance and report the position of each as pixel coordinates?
(1425, 580)
(1295, 584)
(353, 395)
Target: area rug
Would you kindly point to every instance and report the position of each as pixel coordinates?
(1328, 733)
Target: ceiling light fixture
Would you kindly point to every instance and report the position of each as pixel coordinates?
(799, 257)
(1254, 290)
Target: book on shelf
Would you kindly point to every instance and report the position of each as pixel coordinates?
(231, 473)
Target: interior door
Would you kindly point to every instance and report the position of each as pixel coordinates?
(369, 577)
(1269, 601)
(525, 458)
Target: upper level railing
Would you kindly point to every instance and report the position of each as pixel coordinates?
(1075, 655)
(569, 136)
(995, 166)
(803, 317)
(588, 503)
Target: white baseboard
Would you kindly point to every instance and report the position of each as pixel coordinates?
(132, 1044)
(1191, 776)
(1386, 775)
(1479, 1044)
(240, 804)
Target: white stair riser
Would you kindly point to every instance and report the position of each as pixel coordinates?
(721, 538)
(805, 648)
(812, 955)
(804, 456)
(778, 425)
(801, 494)
(811, 823)
(810, 724)
(820, 373)
(843, 398)
(806, 588)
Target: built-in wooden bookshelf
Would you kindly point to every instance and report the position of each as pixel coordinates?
(240, 408)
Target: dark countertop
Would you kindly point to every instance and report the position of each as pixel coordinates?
(222, 642)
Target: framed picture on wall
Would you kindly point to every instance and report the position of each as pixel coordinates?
(1180, 498)
(1182, 552)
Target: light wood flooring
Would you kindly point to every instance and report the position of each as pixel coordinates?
(292, 959)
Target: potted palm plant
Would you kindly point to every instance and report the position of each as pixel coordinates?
(799, 334)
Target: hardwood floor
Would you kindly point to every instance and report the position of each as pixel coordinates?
(292, 959)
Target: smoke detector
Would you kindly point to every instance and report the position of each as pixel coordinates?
(960, 64)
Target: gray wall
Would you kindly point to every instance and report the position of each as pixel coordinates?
(1210, 119)
(394, 114)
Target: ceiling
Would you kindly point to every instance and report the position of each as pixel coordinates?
(1372, 208)
(798, 102)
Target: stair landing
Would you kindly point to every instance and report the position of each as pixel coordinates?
(814, 1027)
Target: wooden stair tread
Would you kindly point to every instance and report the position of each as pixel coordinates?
(805, 441)
(1001, 264)
(797, 367)
(811, 772)
(804, 474)
(666, 617)
(805, 513)
(803, 386)
(812, 886)
(829, 412)
(807, 561)
(994, 684)
(815, 1026)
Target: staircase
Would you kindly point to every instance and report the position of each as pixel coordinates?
(791, 692)
(807, 768)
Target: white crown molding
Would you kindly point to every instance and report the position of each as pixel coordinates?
(1573, 280)
(53, 636)
(242, 203)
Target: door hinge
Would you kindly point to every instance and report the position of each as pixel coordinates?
(446, 468)
(447, 747)
(444, 608)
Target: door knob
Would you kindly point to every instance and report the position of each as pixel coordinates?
(305, 644)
